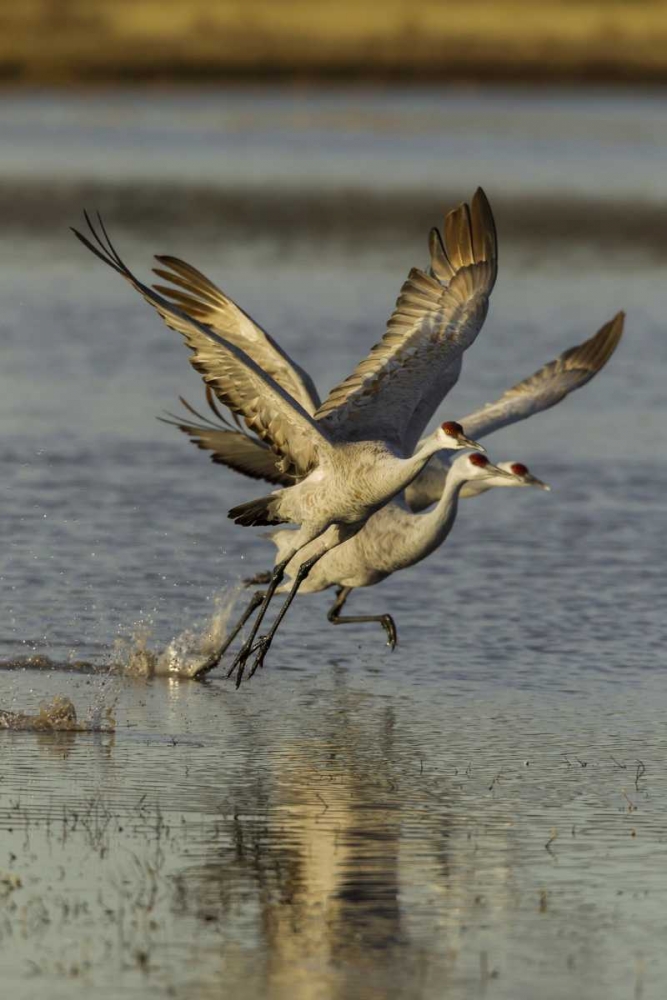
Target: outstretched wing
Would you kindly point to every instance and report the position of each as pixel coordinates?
(236, 379)
(551, 383)
(546, 387)
(232, 448)
(200, 298)
(392, 394)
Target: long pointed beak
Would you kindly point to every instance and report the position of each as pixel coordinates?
(534, 481)
(469, 443)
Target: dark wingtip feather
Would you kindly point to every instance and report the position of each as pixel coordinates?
(100, 251)
(440, 264)
(596, 352)
(484, 234)
(213, 406)
(263, 510)
(470, 234)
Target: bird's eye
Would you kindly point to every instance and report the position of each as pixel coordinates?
(451, 428)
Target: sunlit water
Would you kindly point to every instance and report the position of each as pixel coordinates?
(476, 813)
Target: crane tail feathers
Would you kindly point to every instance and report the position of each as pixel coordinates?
(262, 511)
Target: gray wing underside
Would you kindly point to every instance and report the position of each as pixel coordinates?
(540, 391)
(392, 393)
(200, 298)
(550, 384)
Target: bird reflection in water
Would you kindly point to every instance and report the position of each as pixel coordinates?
(307, 885)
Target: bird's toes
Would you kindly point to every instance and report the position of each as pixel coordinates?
(238, 666)
(261, 647)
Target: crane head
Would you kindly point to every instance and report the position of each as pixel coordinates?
(523, 475)
(451, 436)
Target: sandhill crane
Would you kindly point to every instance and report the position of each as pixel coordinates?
(540, 391)
(358, 451)
(393, 539)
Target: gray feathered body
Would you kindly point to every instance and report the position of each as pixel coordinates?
(362, 474)
(373, 554)
(393, 539)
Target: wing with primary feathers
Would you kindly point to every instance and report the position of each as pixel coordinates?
(192, 291)
(549, 384)
(232, 448)
(238, 382)
(546, 387)
(392, 394)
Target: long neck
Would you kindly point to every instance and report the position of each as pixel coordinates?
(400, 472)
(431, 529)
(411, 467)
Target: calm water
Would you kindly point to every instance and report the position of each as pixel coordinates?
(481, 810)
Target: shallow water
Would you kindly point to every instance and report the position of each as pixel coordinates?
(467, 814)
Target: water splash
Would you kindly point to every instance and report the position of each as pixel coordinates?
(188, 654)
(59, 715)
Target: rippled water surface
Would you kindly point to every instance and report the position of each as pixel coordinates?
(479, 813)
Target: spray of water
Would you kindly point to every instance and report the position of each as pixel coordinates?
(187, 655)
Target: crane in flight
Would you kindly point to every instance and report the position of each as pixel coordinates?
(374, 553)
(362, 446)
(393, 539)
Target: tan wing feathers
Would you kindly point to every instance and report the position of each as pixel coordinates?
(238, 381)
(594, 353)
(412, 305)
(470, 238)
(421, 332)
(200, 298)
(441, 267)
(483, 226)
(192, 306)
(443, 309)
(188, 277)
(458, 237)
(235, 450)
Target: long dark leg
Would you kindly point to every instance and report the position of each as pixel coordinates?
(386, 621)
(246, 648)
(211, 664)
(261, 647)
